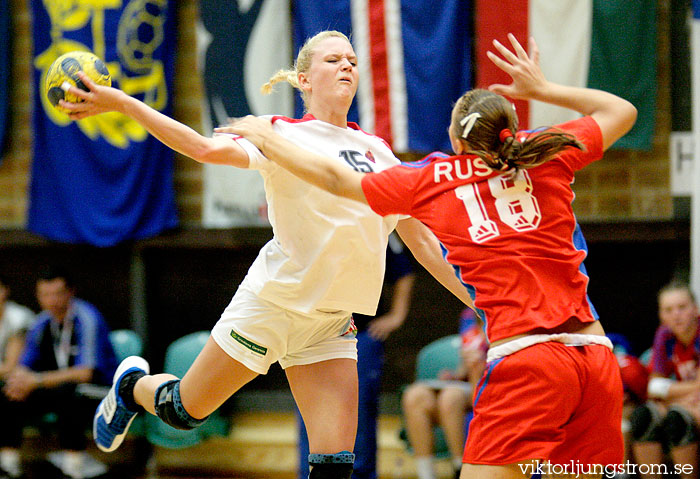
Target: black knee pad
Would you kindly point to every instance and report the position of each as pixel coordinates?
(331, 466)
(680, 427)
(169, 407)
(646, 423)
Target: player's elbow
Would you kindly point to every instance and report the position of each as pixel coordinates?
(616, 121)
(334, 181)
(220, 153)
(628, 114)
(347, 183)
(206, 152)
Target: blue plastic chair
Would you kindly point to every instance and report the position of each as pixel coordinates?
(179, 356)
(433, 358)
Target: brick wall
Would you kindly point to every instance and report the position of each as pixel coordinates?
(625, 185)
(14, 169)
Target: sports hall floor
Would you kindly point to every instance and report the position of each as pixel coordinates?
(259, 445)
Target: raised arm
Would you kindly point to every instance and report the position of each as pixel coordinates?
(614, 115)
(179, 137)
(313, 168)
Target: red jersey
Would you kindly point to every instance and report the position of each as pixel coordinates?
(513, 240)
(671, 357)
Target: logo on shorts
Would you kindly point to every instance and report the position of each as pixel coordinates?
(256, 348)
(351, 329)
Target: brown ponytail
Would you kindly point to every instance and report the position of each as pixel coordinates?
(492, 136)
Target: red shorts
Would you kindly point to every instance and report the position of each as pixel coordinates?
(550, 402)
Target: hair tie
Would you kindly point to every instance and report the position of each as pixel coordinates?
(505, 134)
(468, 123)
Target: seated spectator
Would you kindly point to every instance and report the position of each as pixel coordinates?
(68, 345)
(15, 320)
(445, 402)
(668, 421)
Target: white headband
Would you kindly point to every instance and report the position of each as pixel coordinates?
(468, 123)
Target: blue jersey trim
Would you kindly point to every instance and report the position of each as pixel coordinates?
(425, 160)
(486, 380)
(534, 130)
(580, 245)
(470, 289)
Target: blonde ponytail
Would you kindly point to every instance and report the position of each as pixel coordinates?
(290, 76)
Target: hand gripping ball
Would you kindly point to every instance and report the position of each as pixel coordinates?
(65, 69)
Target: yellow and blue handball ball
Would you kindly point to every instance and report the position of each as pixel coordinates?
(65, 69)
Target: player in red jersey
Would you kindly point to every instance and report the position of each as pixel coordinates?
(668, 423)
(551, 393)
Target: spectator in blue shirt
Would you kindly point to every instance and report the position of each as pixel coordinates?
(68, 345)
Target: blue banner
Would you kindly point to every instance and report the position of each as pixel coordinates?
(419, 62)
(437, 45)
(104, 179)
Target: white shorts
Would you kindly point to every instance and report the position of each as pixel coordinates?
(257, 333)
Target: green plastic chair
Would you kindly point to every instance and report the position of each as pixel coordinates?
(126, 342)
(433, 358)
(179, 356)
(437, 356)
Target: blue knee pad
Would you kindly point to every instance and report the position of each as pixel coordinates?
(169, 407)
(680, 427)
(331, 466)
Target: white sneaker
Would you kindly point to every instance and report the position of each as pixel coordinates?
(10, 463)
(112, 418)
(77, 465)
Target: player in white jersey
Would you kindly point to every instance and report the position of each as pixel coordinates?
(310, 271)
(326, 260)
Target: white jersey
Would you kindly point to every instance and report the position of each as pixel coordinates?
(15, 319)
(327, 253)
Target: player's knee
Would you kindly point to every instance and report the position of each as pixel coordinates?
(169, 407)
(331, 466)
(680, 427)
(646, 423)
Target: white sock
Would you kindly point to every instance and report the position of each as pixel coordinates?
(10, 461)
(424, 467)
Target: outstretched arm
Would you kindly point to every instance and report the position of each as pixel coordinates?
(313, 168)
(179, 137)
(614, 115)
